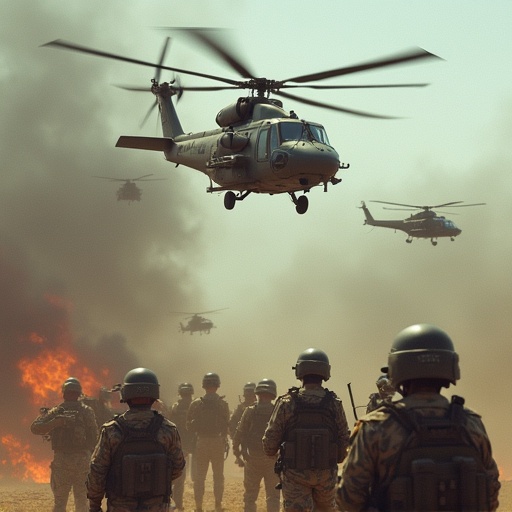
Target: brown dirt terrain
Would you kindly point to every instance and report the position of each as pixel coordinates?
(19, 497)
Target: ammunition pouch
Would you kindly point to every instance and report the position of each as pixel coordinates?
(312, 449)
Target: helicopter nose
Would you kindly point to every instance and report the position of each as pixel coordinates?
(305, 158)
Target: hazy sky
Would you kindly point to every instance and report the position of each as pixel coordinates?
(289, 281)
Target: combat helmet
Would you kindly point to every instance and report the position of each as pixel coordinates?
(249, 388)
(140, 383)
(211, 380)
(266, 386)
(185, 388)
(423, 351)
(312, 361)
(72, 384)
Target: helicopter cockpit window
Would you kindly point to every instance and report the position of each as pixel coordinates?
(263, 144)
(302, 131)
(274, 138)
(292, 131)
(319, 134)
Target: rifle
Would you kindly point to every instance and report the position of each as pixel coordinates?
(279, 466)
(352, 400)
(226, 448)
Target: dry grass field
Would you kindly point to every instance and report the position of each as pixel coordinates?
(18, 497)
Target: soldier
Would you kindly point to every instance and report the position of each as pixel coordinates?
(249, 399)
(138, 453)
(208, 418)
(385, 393)
(309, 429)
(101, 406)
(178, 415)
(421, 452)
(71, 426)
(247, 445)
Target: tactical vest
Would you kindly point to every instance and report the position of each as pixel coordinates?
(140, 466)
(210, 420)
(312, 434)
(72, 437)
(259, 416)
(179, 417)
(440, 468)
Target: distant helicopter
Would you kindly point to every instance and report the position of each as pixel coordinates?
(425, 224)
(129, 190)
(259, 147)
(197, 323)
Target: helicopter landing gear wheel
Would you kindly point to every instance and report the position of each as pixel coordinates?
(229, 200)
(301, 205)
(409, 240)
(434, 242)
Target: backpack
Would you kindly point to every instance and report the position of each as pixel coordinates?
(439, 469)
(140, 466)
(209, 421)
(259, 416)
(311, 436)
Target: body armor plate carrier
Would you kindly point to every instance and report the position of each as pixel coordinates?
(311, 438)
(140, 467)
(440, 468)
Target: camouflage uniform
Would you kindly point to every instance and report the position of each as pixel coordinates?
(72, 443)
(178, 415)
(247, 443)
(211, 444)
(237, 416)
(303, 489)
(375, 452)
(375, 402)
(102, 458)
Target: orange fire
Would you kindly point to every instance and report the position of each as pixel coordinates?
(23, 464)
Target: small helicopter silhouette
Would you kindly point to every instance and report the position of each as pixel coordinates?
(425, 224)
(129, 190)
(258, 147)
(197, 323)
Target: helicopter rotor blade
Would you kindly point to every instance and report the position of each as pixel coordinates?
(311, 86)
(162, 58)
(209, 38)
(401, 58)
(459, 205)
(416, 207)
(148, 113)
(140, 177)
(66, 45)
(314, 103)
(108, 178)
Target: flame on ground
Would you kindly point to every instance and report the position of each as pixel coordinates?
(22, 463)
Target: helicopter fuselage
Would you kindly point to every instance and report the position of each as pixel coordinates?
(420, 225)
(259, 147)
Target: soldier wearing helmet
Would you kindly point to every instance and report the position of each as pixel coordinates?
(208, 418)
(385, 393)
(249, 399)
(178, 415)
(138, 453)
(71, 427)
(421, 452)
(247, 445)
(309, 429)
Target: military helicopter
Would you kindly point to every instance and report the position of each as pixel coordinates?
(197, 323)
(425, 224)
(129, 190)
(258, 147)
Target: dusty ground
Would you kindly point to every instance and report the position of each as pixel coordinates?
(38, 498)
